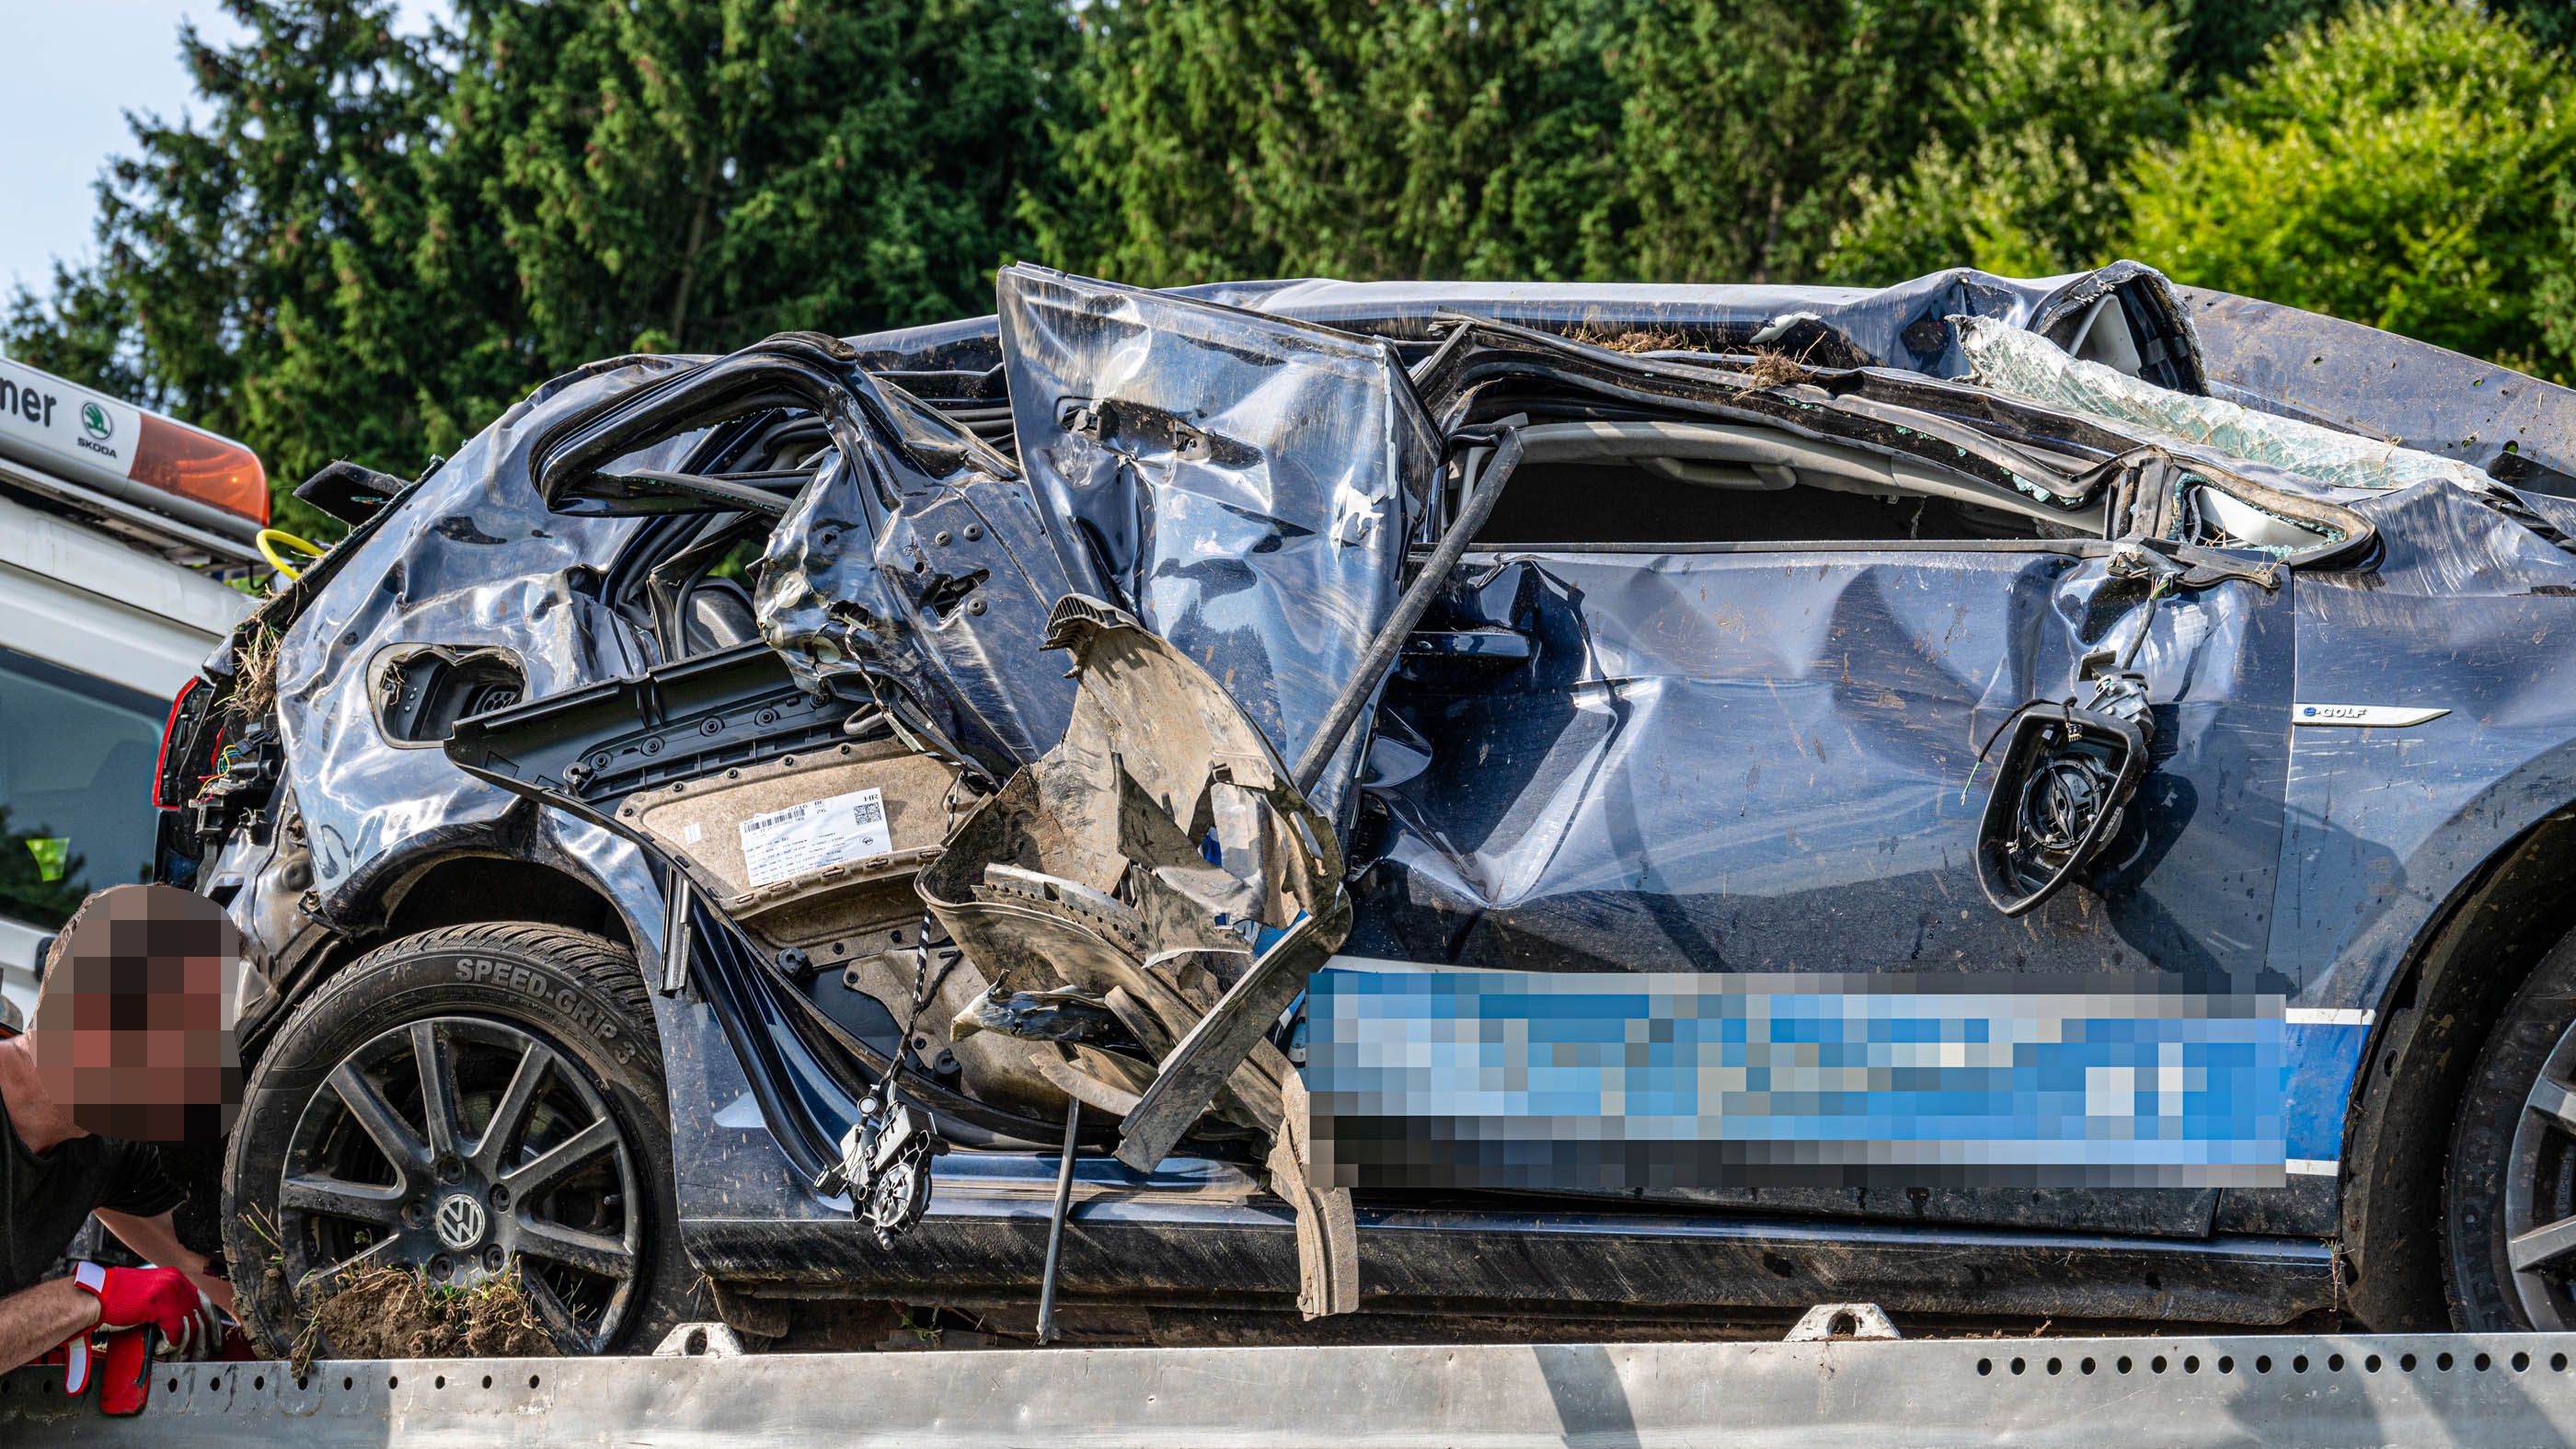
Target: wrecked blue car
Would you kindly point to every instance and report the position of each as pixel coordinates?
(2001, 799)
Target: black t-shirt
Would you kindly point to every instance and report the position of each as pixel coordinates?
(44, 1198)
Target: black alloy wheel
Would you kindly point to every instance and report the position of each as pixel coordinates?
(459, 1147)
(469, 1103)
(2509, 1198)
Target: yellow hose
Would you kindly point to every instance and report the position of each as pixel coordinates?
(270, 540)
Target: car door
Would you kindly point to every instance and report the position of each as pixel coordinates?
(1763, 755)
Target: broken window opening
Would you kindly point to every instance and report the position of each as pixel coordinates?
(1599, 482)
(700, 596)
(1849, 432)
(2213, 518)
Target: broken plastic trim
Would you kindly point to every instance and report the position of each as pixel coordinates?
(2061, 788)
(2150, 505)
(1156, 860)
(885, 1164)
(587, 750)
(2068, 771)
(1160, 861)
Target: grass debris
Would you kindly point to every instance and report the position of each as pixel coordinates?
(1634, 339)
(389, 1312)
(1772, 368)
(255, 675)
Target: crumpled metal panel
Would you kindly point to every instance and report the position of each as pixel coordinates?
(916, 559)
(1894, 326)
(470, 555)
(1746, 761)
(2025, 366)
(1901, 326)
(1242, 484)
(1675, 778)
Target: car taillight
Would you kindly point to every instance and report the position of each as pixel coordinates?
(164, 789)
(202, 467)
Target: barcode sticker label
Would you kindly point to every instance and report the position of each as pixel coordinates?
(805, 838)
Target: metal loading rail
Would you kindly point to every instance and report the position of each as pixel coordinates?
(2433, 1389)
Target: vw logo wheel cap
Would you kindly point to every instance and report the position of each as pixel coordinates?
(461, 1221)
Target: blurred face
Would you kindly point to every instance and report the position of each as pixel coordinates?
(133, 1030)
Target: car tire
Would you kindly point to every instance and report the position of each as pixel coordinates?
(2512, 1169)
(553, 1156)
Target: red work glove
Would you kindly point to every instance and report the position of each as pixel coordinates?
(124, 1370)
(136, 1306)
(161, 1298)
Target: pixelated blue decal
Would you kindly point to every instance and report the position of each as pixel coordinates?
(1437, 1078)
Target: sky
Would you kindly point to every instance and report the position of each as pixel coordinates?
(73, 69)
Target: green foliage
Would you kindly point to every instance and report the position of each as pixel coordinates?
(32, 888)
(693, 176)
(1748, 121)
(2223, 38)
(2550, 22)
(255, 258)
(2397, 167)
(81, 330)
(367, 245)
(1347, 138)
(2045, 104)
(370, 245)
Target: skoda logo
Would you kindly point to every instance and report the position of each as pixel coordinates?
(96, 422)
(460, 1222)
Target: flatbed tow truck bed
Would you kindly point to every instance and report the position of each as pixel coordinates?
(2093, 1393)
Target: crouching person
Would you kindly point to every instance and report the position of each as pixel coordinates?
(130, 1044)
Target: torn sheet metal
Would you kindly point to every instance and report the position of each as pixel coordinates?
(2026, 366)
(1242, 484)
(470, 555)
(1900, 326)
(1158, 866)
(915, 558)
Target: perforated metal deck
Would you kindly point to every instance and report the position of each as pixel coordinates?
(2091, 1393)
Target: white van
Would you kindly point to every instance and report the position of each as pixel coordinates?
(118, 531)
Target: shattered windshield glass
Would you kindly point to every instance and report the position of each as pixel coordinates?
(2023, 365)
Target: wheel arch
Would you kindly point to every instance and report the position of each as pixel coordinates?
(467, 885)
(2433, 1018)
